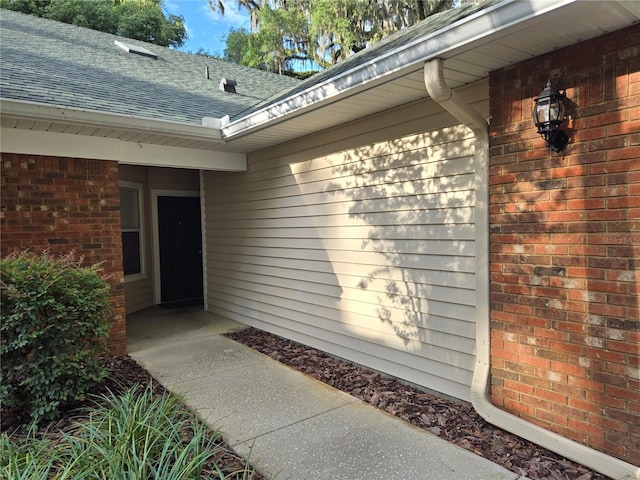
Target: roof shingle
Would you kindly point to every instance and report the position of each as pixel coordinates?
(58, 64)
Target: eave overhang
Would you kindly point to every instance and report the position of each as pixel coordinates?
(59, 114)
(468, 41)
(501, 34)
(40, 129)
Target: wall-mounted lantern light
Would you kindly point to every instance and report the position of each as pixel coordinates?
(548, 114)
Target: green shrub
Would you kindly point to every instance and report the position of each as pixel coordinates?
(53, 329)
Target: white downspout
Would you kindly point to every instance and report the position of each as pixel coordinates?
(613, 467)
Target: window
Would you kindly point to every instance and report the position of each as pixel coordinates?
(132, 238)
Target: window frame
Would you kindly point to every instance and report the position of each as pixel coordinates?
(142, 274)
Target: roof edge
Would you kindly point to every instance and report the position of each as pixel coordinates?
(74, 116)
(481, 24)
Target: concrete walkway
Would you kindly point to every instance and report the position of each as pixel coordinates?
(293, 426)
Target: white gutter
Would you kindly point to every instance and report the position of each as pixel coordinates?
(480, 27)
(76, 116)
(613, 467)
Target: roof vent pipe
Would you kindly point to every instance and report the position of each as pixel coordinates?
(613, 467)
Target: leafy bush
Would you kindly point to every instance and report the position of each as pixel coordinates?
(53, 329)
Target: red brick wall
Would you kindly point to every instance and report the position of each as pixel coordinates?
(65, 204)
(565, 246)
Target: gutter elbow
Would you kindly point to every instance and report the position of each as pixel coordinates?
(434, 80)
(440, 92)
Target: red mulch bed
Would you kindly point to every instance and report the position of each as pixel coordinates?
(452, 420)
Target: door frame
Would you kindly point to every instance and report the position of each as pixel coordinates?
(157, 292)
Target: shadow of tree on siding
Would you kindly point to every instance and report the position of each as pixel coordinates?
(416, 196)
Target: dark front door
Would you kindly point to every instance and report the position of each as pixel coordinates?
(180, 241)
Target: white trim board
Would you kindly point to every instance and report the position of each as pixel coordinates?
(99, 148)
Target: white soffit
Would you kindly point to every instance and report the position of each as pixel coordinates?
(66, 117)
(498, 36)
(30, 116)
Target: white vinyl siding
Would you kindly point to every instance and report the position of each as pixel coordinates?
(366, 253)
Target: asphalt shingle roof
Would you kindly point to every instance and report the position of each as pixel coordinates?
(54, 63)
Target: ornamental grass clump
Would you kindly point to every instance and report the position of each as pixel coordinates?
(53, 329)
(26, 459)
(138, 434)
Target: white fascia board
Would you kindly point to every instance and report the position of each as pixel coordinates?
(76, 116)
(33, 142)
(481, 26)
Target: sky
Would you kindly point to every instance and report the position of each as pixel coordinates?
(205, 28)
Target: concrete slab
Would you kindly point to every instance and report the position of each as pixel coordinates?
(359, 442)
(234, 388)
(292, 426)
(180, 359)
(146, 327)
